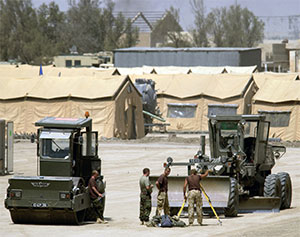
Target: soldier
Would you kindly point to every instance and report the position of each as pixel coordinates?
(96, 197)
(162, 197)
(194, 195)
(145, 196)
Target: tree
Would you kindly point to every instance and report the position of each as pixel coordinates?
(131, 36)
(28, 35)
(52, 25)
(84, 25)
(93, 28)
(215, 27)
(18, 30)
(200, 31)
(242, 28)
(226, 27)
(171, 30)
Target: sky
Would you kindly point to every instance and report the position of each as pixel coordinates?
(273, 8)
(259, 7)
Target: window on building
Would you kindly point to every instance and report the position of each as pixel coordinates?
(277, 118)
(77, 63)
(68, 63)
(181, 110)
(222, 109)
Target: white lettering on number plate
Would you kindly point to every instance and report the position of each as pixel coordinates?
(39, 205)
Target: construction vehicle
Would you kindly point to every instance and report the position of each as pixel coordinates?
(58, 195)
(241, 160)
(150, 109)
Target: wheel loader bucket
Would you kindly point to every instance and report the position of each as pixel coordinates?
(216, 187)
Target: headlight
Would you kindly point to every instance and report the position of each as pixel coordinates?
(15, 194)
(64, 196)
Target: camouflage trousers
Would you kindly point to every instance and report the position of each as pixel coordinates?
(162, 204)
(145, 206)
(98, 206)
(194, 197)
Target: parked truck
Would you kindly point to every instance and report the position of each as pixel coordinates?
(67, 151)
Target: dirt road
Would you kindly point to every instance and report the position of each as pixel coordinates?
(122, 163)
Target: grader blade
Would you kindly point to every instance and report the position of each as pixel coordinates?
(259, 204)
(216, 187)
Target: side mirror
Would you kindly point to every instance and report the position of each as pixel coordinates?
(80, 140)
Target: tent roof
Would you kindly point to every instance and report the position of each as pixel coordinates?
(276, 91)
(58, 87)
(172, 70)
(241, 69)
(260, 78)
(15, 88)
(220, 86)
(28, 71)
(133, 70)
(184, 70)
(206, 70)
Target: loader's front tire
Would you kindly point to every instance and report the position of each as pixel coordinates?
(286, 190)
(233, 202)
(272, 186)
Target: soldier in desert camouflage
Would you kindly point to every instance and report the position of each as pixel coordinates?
(194, 195)
(145, 196)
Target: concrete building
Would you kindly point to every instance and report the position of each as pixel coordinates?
(83, 60)
(137, 57)
(275, 56)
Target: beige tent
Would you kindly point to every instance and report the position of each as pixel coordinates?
(28, 71)
(260, 78)
(168, 70)
(113, 102)
(186, 100)
(206, 70)
(241, 69)
(279, 100)
(133, 70)
(171, 70)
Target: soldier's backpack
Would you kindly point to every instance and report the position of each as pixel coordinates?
(166, 221)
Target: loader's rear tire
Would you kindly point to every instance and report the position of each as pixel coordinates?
(233, 202)
(286, 190)
(272, 186)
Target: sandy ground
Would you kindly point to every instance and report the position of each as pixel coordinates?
(122, 164)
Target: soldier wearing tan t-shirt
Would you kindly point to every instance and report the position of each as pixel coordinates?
(194, 195)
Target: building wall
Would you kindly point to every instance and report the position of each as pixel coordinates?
(138, 58)
(250, 58)
(85, 61)
(144, 39)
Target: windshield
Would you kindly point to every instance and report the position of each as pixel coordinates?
(228, 130)
(55, 148)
